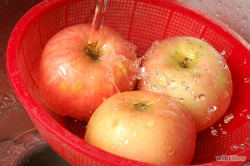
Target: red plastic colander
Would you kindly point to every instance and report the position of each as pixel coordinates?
(142, 22)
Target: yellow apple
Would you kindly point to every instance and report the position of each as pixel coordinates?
(193, 73)
(143, 126)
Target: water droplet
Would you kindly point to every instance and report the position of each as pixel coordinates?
(143, 69)
(223, 52)
(137, 62)
(242, 146)
(246, 80)
(126, 142)
(154, 87)
(189, 90)
(170, 150)
(9, 97)
(156, 43)
(156, 74)
(244, 18)
(7, 153)
(211, 109)
(3, 104)
(226, 94)
(214, 132)
(248, 116)
(36, 135)
(196, 99)
(238, 7)
(224, 66)
(202, 97)
(241, 114)
(245, 61)
(151, 123)
(112, 147)
(224, 132)
(183, 83)
(234, 147)
(228, 24)
(17, 149)
(228, 118)
(218, 13)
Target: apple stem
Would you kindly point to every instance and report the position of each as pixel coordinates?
(185, 63)
(140, 107)
(92, 51)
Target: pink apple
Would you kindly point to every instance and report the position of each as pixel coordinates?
(143, 126)
(191, 72)
(73, 82)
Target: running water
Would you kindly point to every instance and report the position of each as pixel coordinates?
(96, 26)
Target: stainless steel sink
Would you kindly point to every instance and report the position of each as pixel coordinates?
(44, 157)
(20, 142)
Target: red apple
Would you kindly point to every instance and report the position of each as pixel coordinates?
(143, 126)
(73, 81)
(191, 72)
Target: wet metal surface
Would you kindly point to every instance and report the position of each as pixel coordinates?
(20, 143)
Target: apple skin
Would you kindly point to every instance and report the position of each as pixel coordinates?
(193, 73)
(73, 83)
(161, 132)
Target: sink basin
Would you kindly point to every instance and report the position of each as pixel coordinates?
(20, 142)
(44, 157)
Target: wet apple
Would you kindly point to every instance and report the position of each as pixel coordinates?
(143, 126)
(73, 81)
(192, 73)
